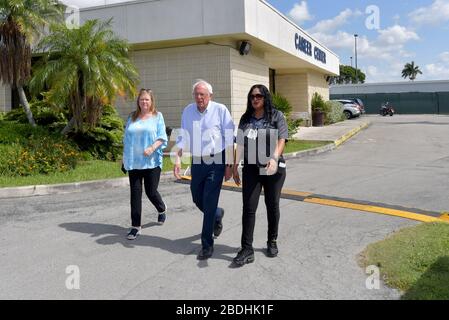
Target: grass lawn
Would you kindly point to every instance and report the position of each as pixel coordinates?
(414, 260)
(301, 145)
(84, 171)
(98, 170)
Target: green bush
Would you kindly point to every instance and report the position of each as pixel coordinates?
(105, 141)
(334, 112)
(43, 114)
(39, 154)
(282, 104)
(318, 103)
(13, 132)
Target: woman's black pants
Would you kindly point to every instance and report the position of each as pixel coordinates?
(252, 183)
(150, 178)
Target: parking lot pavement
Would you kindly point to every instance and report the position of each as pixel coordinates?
(44, 239)
(47, 240)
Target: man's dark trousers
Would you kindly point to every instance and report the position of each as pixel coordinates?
(205, 187)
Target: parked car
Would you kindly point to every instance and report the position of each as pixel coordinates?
(360, 103)
(350, 109)
(355, 101)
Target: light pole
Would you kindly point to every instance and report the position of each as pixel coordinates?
(356, 74)
(351, 61)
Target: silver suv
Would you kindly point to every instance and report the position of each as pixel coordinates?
(350, 109)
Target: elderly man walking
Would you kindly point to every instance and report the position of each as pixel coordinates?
(207, 132)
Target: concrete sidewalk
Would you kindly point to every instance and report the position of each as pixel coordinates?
(336, 134)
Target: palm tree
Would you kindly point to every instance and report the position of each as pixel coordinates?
(21, 22)
(84, 68)
(410, 71)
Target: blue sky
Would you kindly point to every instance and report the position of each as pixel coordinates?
(391, 32)
(412, 30)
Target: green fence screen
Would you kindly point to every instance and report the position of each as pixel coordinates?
(404, 103)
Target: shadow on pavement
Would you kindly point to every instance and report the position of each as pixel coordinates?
(433, 284)
(113, 234)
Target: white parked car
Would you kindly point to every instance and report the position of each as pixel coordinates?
(350, 109)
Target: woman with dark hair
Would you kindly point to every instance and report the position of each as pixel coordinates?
(261, 138)
(145, 138)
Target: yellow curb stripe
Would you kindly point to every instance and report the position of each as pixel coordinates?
(231, 184)
(348, 135)
(375, 209)
(296, 193)
(309, 197)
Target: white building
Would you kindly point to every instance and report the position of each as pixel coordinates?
(175, 42)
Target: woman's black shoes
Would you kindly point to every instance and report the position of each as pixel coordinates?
(244, 256)
(272, 249)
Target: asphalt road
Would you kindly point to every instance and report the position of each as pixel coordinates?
(47, 241)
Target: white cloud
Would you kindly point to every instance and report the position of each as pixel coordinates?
(372, 71)
(381, 58)
(329, 25)
(438, 69)
(396, 35)
(444, 57)
(434, 14)
(300, 13)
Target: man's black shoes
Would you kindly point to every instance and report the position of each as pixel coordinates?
(218, 226)
(205, 253)
(244, 256)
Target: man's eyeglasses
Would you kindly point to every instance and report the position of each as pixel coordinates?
(257, 96)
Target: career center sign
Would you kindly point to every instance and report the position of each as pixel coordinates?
(305, 46)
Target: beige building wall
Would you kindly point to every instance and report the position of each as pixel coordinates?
(246, 71)
(171, 72)
(294, 88)
(317, 83)
(299, 89)
(5, 98)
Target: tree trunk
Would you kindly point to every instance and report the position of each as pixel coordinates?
(26, 105)
(69, 126)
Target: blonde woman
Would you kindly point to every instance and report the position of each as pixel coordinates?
(143, 143)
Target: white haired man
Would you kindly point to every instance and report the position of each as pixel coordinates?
(207, 131)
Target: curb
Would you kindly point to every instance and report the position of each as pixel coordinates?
(351, 204)
(41, 190)
(46, 189)
(330, 146)
(351, 133)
